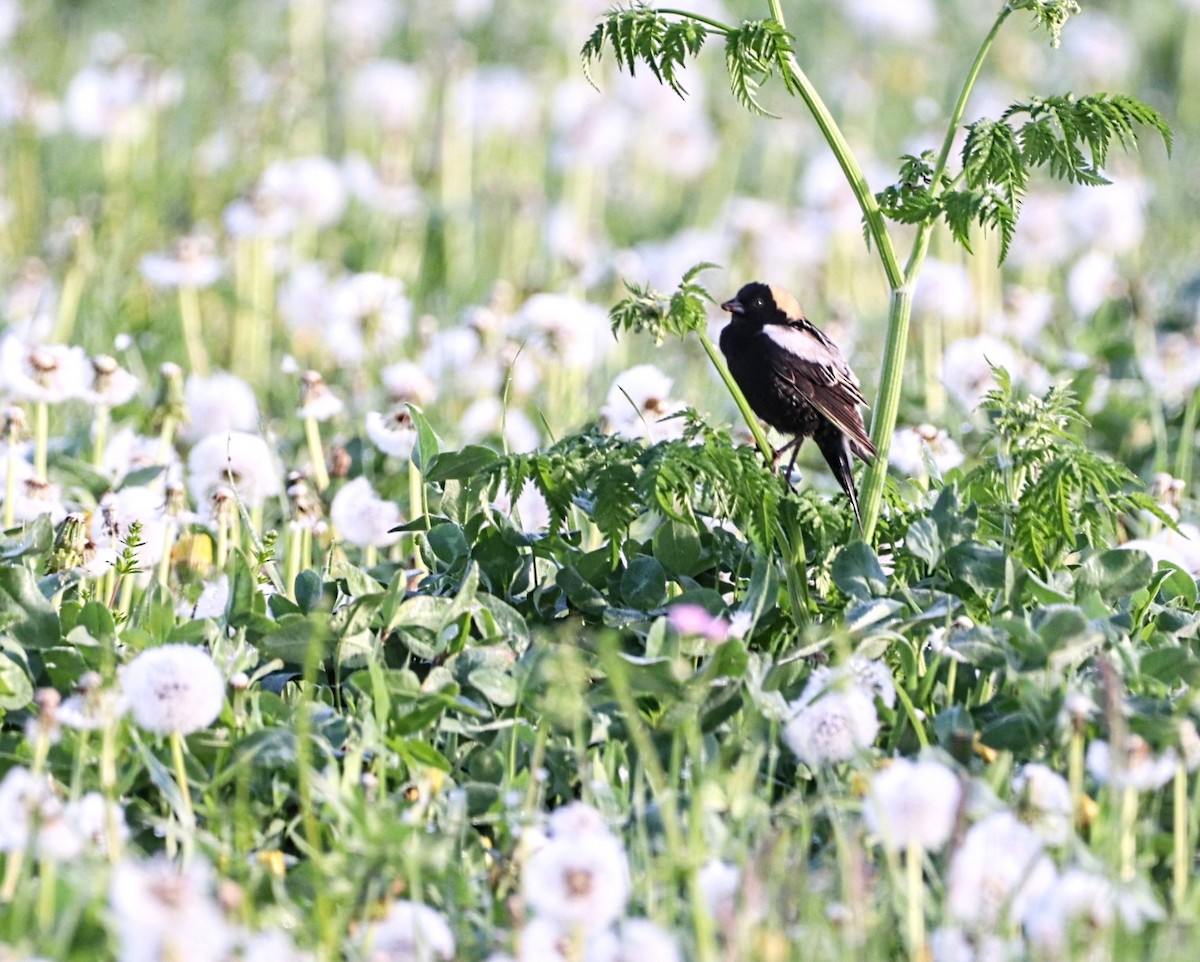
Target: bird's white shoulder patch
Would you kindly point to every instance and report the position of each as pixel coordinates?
(799, 343)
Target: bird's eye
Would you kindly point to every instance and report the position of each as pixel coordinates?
(758, 302)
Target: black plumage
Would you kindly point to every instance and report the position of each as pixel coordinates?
(796, 379)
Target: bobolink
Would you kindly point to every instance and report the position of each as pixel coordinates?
(796, 379)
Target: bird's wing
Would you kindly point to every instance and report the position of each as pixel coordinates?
(819, 373)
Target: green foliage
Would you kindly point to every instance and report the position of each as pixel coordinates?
(753, 52)
(1043, 487)
(658, 315)
(641, 34)
(1069, 137)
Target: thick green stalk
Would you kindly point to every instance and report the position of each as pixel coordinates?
(887, 401)
(876, 226)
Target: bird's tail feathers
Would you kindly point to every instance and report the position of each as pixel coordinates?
(837, 447)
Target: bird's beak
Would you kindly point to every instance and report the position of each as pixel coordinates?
(733, 307)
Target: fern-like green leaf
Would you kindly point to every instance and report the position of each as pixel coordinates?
(753, 52)
(659, 315)
(641, 34)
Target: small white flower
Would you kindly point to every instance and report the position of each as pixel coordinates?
(192, 262)
(638, 940)
(409, 933)
(996, 871)
(1141, 769)
(219, 404)
(1079, 909)
(362, 518)
(834, 718)
(576, 820)
(569, 331)
(387, 189)
(913, 803)
(21, 796)
(368, 313)
(407, 382)
(238, 459)
(578, 881)
(52, 373)
(719, 884)
(311, 187)
(173, 689)
(317, 398)
(214, 598)
(489, 417)
(967, 368)
(273, 945)
(953, 944)
(1172, 369)
(161, 912)
(92, 709)
(96, 821)
(542, 940)
(639, 406)
(394, 433)
(1045, 802)
(36, 498)
(911, 447)
(387, 94)
(111, 385)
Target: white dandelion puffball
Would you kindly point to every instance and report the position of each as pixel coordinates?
(997, 871)
(218, 404)
(163, 912)
(410, 932)
(237, 459)
(578, 881)
(1045, 802)
(1142, 769)
(834, 718)
(173, 689)
(913, 803)
(362, 517)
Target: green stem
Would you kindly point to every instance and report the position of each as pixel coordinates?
(41, 438)
(916, 902)
(101, 440)
(1183, 852)
(193, 340)
(752, 422)
(1187, 439)
(316, 454)
(876, 226)
(688, 15)
(187, 818)
(10, 484)
(1128, 838)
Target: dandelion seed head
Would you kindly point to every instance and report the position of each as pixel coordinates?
(173, 689)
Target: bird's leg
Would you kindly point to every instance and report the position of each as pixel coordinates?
(792, 465)
(780, 452)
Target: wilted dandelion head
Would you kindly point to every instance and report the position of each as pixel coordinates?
(173, 689)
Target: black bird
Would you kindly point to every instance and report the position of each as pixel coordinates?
(796, 379)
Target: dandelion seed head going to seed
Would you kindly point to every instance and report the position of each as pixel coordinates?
(192, 262)
(173, 689)
(1141, 768)
(317, 400)
(638, 405)
(237, 459)
(363, 518)
(578, 881)
(219, 404)
(1044, 801)
(162, 911)
(913, 803)
(996, 871)
(52, 373)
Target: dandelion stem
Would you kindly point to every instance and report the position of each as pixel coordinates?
(47, 890)
(187, 817)
(1075, 758)
(16, 858)
(193, 341)
(913, 859)
(10, 484)
(416, 508)
(68, 302)
(1183, 852)
(41, 438)
(166, 438)
(316, 454)
(101, 435)
(1128, 843)
(295, 545)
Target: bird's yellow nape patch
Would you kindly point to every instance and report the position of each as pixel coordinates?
(786, 302)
